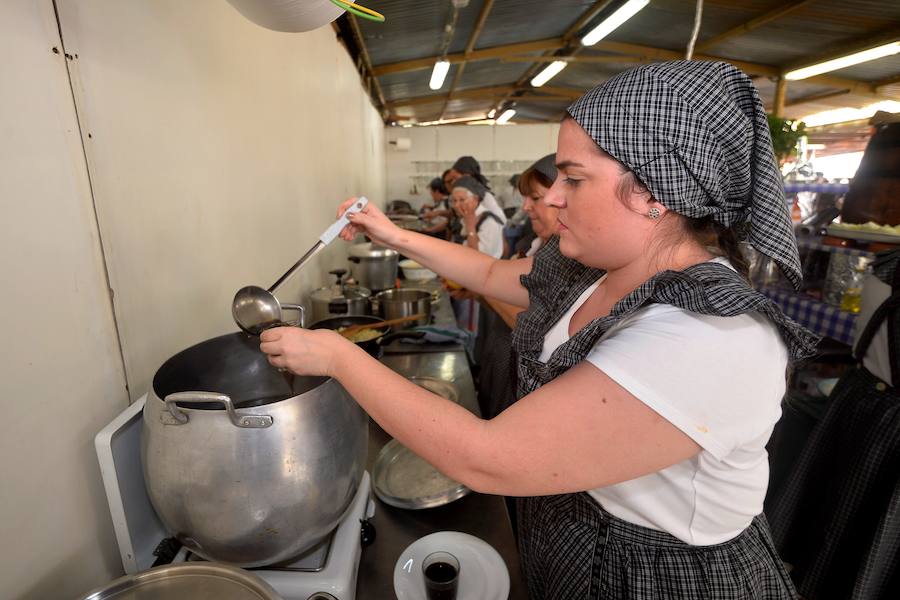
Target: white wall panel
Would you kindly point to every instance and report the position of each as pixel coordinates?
(218, 152)
(61, 376)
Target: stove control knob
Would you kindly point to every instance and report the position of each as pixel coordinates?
(321, 596)
(367, 532)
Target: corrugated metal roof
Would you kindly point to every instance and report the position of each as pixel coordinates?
(525, 20)
(415, 30)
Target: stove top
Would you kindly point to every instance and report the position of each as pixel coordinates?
(326, 572)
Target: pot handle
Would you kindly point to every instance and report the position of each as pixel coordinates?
(297, 307)
(245, 421)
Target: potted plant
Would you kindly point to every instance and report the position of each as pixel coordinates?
(786, 134)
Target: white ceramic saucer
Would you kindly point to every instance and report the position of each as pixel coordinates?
(482, 572)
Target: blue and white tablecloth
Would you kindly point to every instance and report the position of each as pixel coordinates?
(817, 316)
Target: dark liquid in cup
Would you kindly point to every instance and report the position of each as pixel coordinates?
(440, 581)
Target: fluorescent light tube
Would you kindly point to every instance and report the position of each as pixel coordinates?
(840, 115)
(844, 61)
(506, 116)
(612, 22)
(438, 74)
(548, 73)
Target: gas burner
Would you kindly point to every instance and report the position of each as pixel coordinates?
(326, 572)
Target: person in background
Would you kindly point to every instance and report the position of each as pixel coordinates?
(437, 214)
(510, 198)
(650, 373)
(482, 231)
(467, 165)
(534, 184)
(482, 228)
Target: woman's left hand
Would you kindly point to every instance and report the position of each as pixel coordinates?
(303, 351)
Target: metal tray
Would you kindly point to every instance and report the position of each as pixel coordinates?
(868, 236)
(403, 479)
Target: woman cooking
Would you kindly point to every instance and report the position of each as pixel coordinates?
(650, 373)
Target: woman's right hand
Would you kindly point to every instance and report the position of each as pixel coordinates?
(371, 222)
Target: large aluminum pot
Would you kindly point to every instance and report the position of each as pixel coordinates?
(245, 464)
(405, 302)
(374, 267)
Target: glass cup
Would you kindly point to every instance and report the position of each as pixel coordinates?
(441, 573)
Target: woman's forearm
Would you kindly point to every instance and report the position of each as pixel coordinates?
(467, 266)
(439, 430)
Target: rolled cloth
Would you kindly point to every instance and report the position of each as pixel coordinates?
(468, 182)
(695, 133)
(467, 165)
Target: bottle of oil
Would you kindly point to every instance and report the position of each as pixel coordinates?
(851, 300)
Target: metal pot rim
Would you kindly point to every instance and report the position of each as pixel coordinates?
(370, 250)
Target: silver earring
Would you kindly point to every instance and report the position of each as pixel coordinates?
(653, 213)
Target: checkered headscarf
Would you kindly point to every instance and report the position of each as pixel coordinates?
(695, 133)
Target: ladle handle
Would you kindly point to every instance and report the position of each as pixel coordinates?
(325, 239)
(333, 231)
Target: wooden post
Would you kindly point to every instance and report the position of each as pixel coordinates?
(780, 89)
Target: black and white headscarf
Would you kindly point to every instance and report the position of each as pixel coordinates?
(695, 133)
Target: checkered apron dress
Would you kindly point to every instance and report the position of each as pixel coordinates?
(838, 520)
(570, 547)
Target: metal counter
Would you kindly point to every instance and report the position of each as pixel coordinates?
(480, 515)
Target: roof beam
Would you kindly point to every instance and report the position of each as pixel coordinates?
(548, 95)
(484, 92)
(631, 52)
(815, 98)
(853, 86)
(751, 24)
(581, 58)
(371, 78)
(585, 18)
(572, 49)
(417, 64)
(470, 46)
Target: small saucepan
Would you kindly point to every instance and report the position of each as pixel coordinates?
(374, 345)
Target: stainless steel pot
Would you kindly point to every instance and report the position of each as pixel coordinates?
(374, 267)
(245, 464)
(340, 300)
(398, 303)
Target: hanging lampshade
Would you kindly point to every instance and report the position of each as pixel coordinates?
(288, 15)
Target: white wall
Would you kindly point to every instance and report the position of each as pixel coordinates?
(61, 373)
(514, 145)
(218, 152)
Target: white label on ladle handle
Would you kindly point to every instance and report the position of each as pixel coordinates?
(333, 231)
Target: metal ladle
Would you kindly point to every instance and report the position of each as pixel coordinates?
(255, 309)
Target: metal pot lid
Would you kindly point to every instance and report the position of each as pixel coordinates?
(188, 581)
(403, 479)
(370, 250)
(350, 292)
